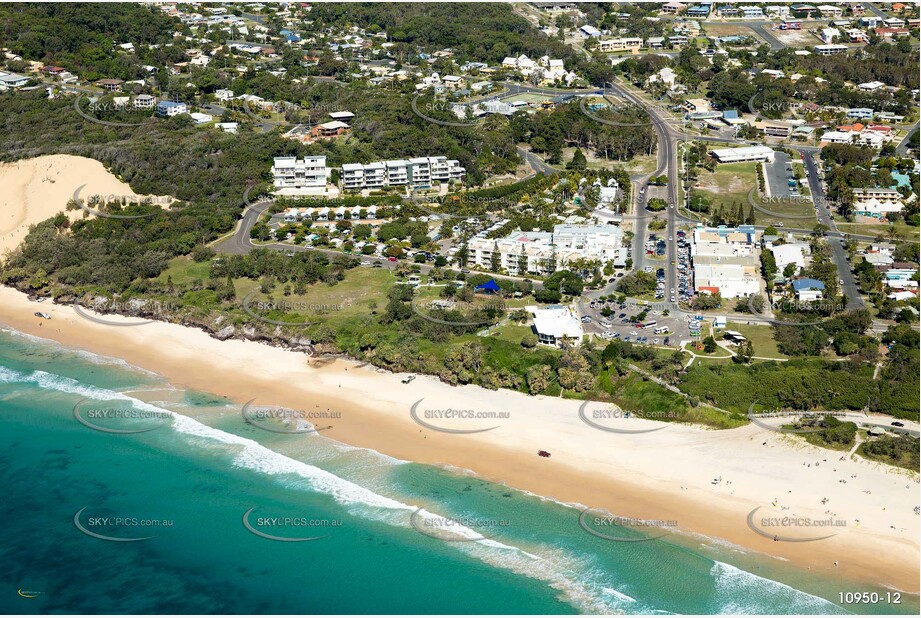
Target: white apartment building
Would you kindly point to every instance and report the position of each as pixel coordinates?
(421, 172)
(307, 176)
(535, 252)
(622, 44)
(877, 202)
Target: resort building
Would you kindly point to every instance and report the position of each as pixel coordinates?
(632, 44)
(874, 139)
(300, 177)
(419, 173)
(545, 252)
(877, 203)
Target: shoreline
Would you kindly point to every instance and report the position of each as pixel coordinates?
(660, 475)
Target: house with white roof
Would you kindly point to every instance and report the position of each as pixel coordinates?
(557, 325)
(871, 86)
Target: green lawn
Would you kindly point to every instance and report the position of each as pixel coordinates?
(729, 185)
(720, 352)
(511, 332)
(761, 336)
(905, 231)
(356, 295)
(182, 271)
(796, 213)
(642, 165)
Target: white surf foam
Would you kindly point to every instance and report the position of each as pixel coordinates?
(740, 592)
(553, 570)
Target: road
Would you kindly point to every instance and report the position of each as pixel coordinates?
(765, 33)
(879, 13)
(536, 163)
(835, 241)
(240, 243)
(667, 152)
(902, 148)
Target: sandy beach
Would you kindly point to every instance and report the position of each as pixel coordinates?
(36, 189)
(661, 475)
(666, 474)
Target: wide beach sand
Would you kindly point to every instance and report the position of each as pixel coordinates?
(662, 475)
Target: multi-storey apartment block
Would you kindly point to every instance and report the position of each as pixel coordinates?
(300, 177)
(418, 173)
(543, 252)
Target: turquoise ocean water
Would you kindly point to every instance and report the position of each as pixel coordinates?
(188, 483)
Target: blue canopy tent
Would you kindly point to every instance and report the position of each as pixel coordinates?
(490, 287)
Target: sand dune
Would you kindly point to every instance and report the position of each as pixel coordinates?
(36, 189)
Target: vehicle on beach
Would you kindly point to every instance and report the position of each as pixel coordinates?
(717, 480)
(408, 379)
(543, 453)
(43, 315)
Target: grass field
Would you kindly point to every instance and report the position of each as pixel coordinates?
(761, 336)
(362, 292)
(728, 186)
(903, 230)
(182, 270)
(642, 165)
(720, 352)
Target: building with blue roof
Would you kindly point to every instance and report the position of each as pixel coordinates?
(808, 289)
(171, 108)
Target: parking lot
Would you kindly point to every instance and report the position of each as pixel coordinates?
(685, 272)
(780, 177)
(638, 322)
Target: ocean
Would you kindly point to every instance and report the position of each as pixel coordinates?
(192, 509)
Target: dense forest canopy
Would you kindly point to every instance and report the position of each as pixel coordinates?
(484, 32)
(81, 36)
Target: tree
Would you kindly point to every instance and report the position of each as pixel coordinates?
(495, 257)
(539, 378)
(578, 161)
(710, 345)
(462, 255)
